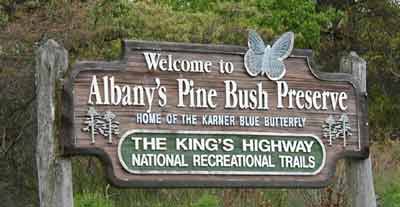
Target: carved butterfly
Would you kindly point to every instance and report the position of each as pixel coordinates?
(261, 59)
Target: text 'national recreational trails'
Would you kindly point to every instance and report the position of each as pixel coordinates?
(196, 152)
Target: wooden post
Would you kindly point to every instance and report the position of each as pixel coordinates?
(360, 183)
(54, 172)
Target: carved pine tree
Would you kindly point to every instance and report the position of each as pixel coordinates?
(92, 122)
(110, 126)
(343, 128)
(329, 129)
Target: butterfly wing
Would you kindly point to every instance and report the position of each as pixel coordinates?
(253, 57)
(255, 43)
(282, 47)
(253, 62)
(273, 60)
(275, 69)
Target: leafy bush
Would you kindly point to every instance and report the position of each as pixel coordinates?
(3, 18)
(211, 21)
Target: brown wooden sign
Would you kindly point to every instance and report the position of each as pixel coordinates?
(183, 115)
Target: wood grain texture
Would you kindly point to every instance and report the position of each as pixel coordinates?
(360, 182)
(54, 172)
(132, 70)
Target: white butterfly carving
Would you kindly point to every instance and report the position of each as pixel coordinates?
(261, 59)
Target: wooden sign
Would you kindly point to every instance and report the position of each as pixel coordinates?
(183, 115)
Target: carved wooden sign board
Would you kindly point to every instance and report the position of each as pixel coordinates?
(192, 115)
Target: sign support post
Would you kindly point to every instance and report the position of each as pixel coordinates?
(54, 173)
(359, 172)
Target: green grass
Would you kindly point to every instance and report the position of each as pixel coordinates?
(88, 199)
(207, 200)
(386, 163)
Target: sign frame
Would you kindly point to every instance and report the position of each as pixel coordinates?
(67, 118)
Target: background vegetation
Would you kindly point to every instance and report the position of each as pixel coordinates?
(93, 30)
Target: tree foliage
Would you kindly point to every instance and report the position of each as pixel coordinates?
(214, 21)
(371, 29)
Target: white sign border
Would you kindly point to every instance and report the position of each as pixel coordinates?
(213, 172)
